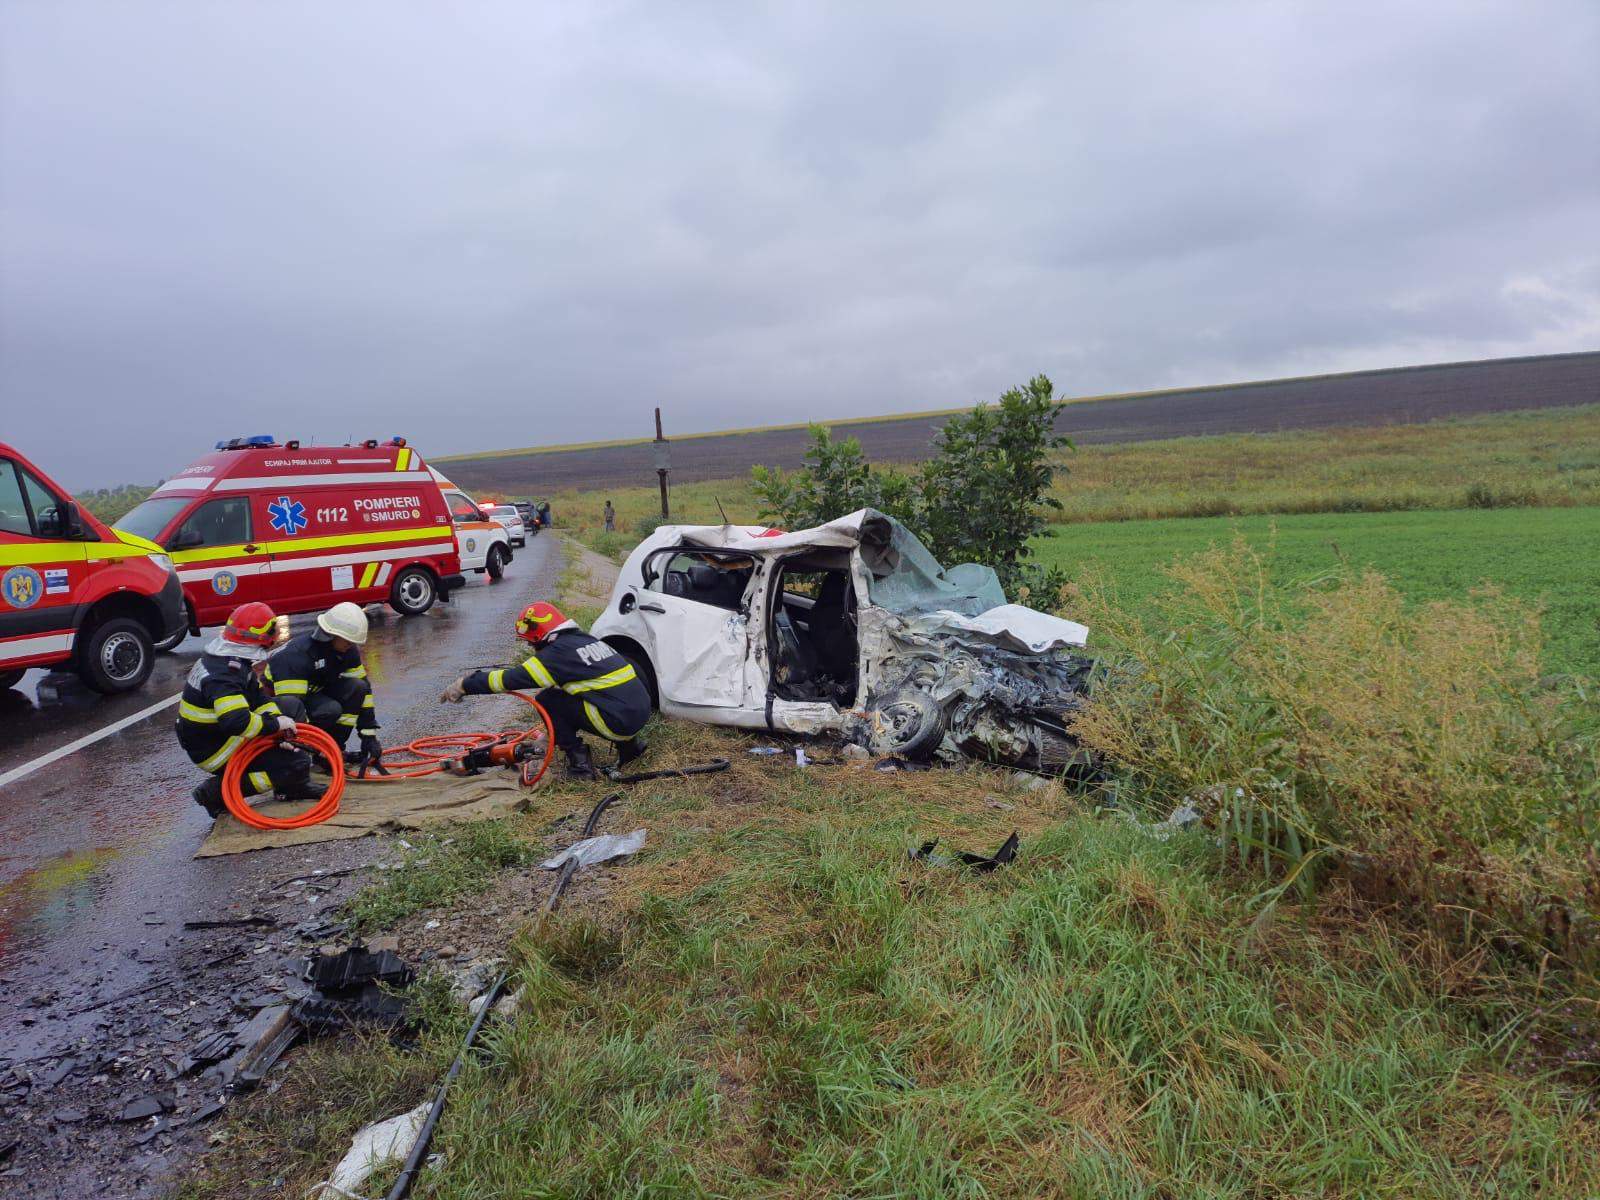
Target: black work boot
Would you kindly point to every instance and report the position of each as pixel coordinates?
(631, 749)
(579, 764)
(208, 795)
(299, 787)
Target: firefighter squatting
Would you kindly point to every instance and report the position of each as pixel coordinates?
(242, 688)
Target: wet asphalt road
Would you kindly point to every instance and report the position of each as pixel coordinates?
(95, 866)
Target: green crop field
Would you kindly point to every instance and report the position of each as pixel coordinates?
(1551, 555)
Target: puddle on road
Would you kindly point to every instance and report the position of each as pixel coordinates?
(46, 899)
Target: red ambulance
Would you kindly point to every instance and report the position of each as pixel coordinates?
(72, 591)
(302, 528)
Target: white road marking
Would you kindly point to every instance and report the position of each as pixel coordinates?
(88, 739)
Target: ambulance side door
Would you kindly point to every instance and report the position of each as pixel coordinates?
(215, 546)
(42, 569)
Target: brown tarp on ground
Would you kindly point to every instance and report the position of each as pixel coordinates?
(368, 808)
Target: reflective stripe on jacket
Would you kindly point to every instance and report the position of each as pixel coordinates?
(580, 665)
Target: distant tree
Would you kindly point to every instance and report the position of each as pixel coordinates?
(981, 498)
(111, 504)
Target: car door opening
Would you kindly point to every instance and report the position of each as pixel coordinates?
(815, 650)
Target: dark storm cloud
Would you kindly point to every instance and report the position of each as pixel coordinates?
(500, 224)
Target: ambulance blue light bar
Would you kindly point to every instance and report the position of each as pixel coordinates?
(248, 443)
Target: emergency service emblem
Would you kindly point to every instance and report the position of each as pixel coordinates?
(22, 587)
(287, 516)
(223, 583)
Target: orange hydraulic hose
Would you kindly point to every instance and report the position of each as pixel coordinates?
(430, 753)
(312, 738)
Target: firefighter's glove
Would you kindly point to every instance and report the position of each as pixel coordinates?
(371, 750)
(286, 728)
(454, 693)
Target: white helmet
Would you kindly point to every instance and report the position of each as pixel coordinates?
(347, 621)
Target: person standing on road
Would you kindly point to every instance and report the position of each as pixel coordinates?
(319, 677)
(223, 706)
(611, 518)
(586, 686)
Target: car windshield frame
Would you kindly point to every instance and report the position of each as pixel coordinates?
(173, 505)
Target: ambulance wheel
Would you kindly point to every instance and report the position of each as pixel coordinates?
(10, 679)
(170, 642)
(116, 655)
(414, 592)
(495, 564)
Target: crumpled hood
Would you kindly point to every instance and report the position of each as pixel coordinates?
(1007, 626)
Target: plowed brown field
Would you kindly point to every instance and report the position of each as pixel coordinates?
(1398, 396)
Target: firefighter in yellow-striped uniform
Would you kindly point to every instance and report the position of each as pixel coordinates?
(586, 686)
(319, 677)
(223, 706)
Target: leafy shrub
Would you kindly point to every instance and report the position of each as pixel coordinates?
(1418, 745)
(981, 498)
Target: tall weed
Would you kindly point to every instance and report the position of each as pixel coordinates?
(1417, 745)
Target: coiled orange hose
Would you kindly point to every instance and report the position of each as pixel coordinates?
(430, 753)
(312, 738)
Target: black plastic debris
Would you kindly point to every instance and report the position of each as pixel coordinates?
(352, 969)
(268, 1035)
(371, 1007)
(895, 763)
(138, 1108)
(207, 1051)
(965, 858)
(232, 923)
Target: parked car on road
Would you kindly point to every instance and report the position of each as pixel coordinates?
(74, 592)
(507, 516)
(530, 518)
(852, 629)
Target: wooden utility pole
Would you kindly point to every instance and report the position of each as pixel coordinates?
(663, 454)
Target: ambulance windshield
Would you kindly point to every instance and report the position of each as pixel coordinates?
(151, 517)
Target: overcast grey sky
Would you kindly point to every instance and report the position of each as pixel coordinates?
(501, 224)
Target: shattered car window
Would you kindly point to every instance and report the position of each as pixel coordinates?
(906, 578)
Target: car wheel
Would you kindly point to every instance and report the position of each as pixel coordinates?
(909, 724)
(10, 679)
(495, 564)
(414, 592)
(641, 664)
(116, 655)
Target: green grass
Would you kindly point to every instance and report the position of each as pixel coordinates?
(1548, 555)
(438, 869)
(772, 1001)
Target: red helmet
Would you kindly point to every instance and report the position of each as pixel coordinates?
(539, 620)
(251, 624)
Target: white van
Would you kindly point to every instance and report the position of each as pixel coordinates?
(483, 544)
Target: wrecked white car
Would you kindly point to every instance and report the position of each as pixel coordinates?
(850, 629)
